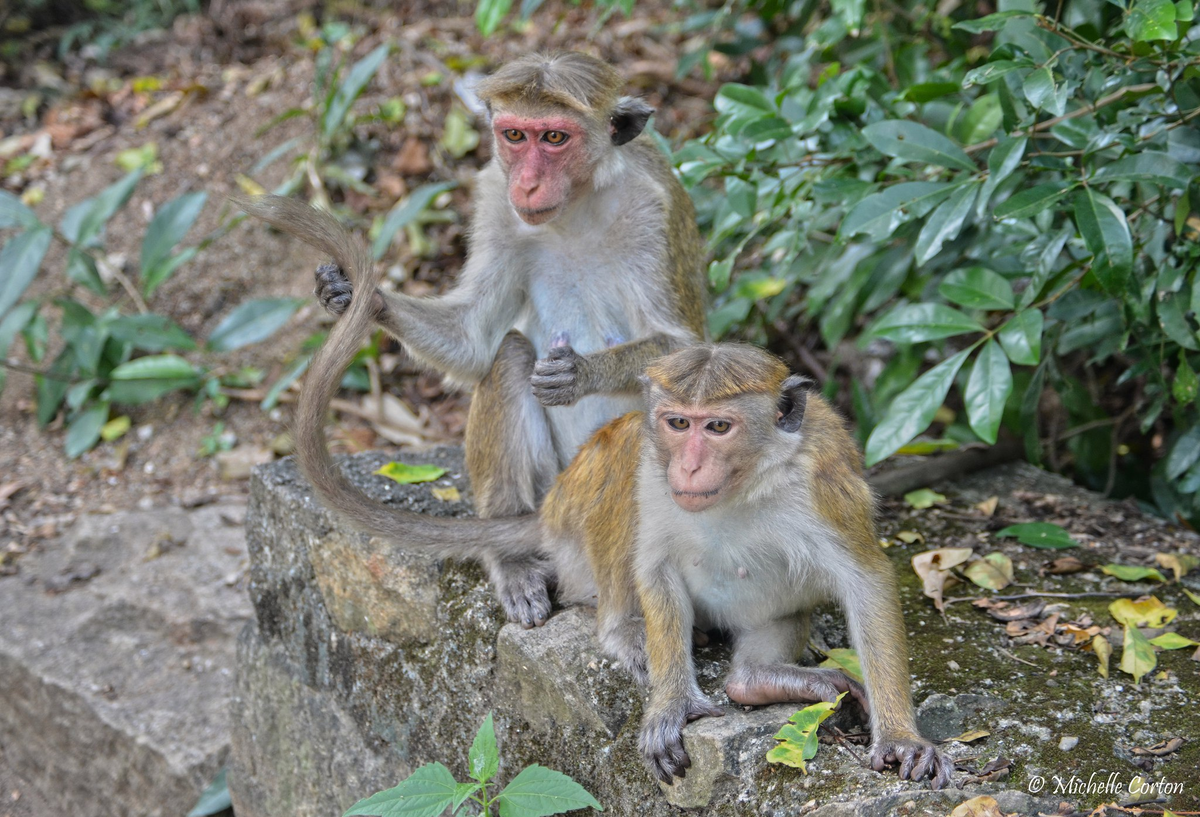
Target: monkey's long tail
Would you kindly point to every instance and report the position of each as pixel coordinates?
(458, 538)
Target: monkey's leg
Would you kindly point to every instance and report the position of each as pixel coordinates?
(763, 672)
(511, 462)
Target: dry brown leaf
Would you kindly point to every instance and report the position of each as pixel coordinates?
(988, 506)
(982, 806)
(161, 108)
(1067, 564)
(933, 566)
(1163, 747)
(1031, 609)
(1179, 563)
(969, 737)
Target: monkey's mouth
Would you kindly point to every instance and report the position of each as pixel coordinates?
(695, 501)
(536, 216)
(697, 494)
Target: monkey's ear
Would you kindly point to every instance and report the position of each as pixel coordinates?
(629, 117)
(793, 399)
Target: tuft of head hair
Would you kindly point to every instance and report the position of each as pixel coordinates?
(710, 373)
(576, 81)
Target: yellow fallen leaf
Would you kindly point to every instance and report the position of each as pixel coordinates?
(1195, 599)
(1178, 563)
(969, 737)
(1147, 611)
(798, 737)
(1103, 651)
(924, 498)
(450, 494)
(1137, 654)
(910, 536)
(982, 806)
(992, 572)
(988, 506)
(249, 186)
(845, 660)
(407, 474)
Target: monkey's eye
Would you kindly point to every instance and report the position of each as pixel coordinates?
(514, 135)
(678, 423)
(719, 426)
(554, 137)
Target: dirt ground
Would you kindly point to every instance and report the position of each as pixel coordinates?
(222, 77)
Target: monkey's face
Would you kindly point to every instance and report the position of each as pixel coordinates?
(702, 449)
(545, 159)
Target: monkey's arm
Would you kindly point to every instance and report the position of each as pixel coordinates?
(564, 376)
(877, 632)
(675, 697)
(458, 333)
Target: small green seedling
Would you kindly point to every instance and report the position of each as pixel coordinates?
(535, 792)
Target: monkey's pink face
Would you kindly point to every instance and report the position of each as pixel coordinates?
(702, 448)
(546, 162)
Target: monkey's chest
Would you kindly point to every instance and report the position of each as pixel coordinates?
(587, 306)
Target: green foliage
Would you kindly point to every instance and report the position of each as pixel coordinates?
(1007, 203)
(430, 790)
(798, 737)
(109, 358)
(334, 156)
(95, 26)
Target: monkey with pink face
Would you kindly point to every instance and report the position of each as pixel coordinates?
(584, 264)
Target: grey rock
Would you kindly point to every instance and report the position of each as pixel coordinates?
(116, 661)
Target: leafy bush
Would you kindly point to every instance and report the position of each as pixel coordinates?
(1008, 199)
(109, 359)
(99, 25)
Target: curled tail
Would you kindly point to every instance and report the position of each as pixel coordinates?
(458, 538)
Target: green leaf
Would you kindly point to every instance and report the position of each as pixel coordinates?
(489, 14)
(251, 322)
(994, 71)
(156, 276)
(923, 498)
(879, 214)
(993, 572)
(1195, 598)
(84, 431)
(214, 799)
(1133, 573)
(147, 378)
(1171, 308)
(915, 323)
(83, 222)
(798, 737)
(484, 758)
(992, 22)
(944, 223)
(407, 474)
(988, 388)
(1150, 20)
(14, 213)
(458, 137)
(461, 792)
(1173, 641)
(912, 410)
(1137, 654)
(982, 119)
(1151, 166)
(1021, 337)
(115, 428)
(150, 333)
(1106, 234)
(845, 660)
(538, 791)
(977, 288)
(923, 92)
(1032, 201)
(427, 792)
(170, 224)
(1184, 388)
(404, 212)
(1184, 452)
(356, 80)
(19, 263)
(1039, 87)
(81, 268)
(913, 142)
(742, 102)
(1042, 535)
(12, 323)
(1004, 158)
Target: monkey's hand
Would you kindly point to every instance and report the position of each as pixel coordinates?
(918, 759)
(558, 378)
(334, 291)
(661, 738)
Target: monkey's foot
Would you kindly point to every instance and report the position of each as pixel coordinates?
(333, 289)
(661, 738)
(918, 759)
(788, 683)
(524, 591)
(556, 377)
(625, 641)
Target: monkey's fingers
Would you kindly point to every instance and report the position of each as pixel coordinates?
(334, 289)
(943, 767)
(560, 352)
